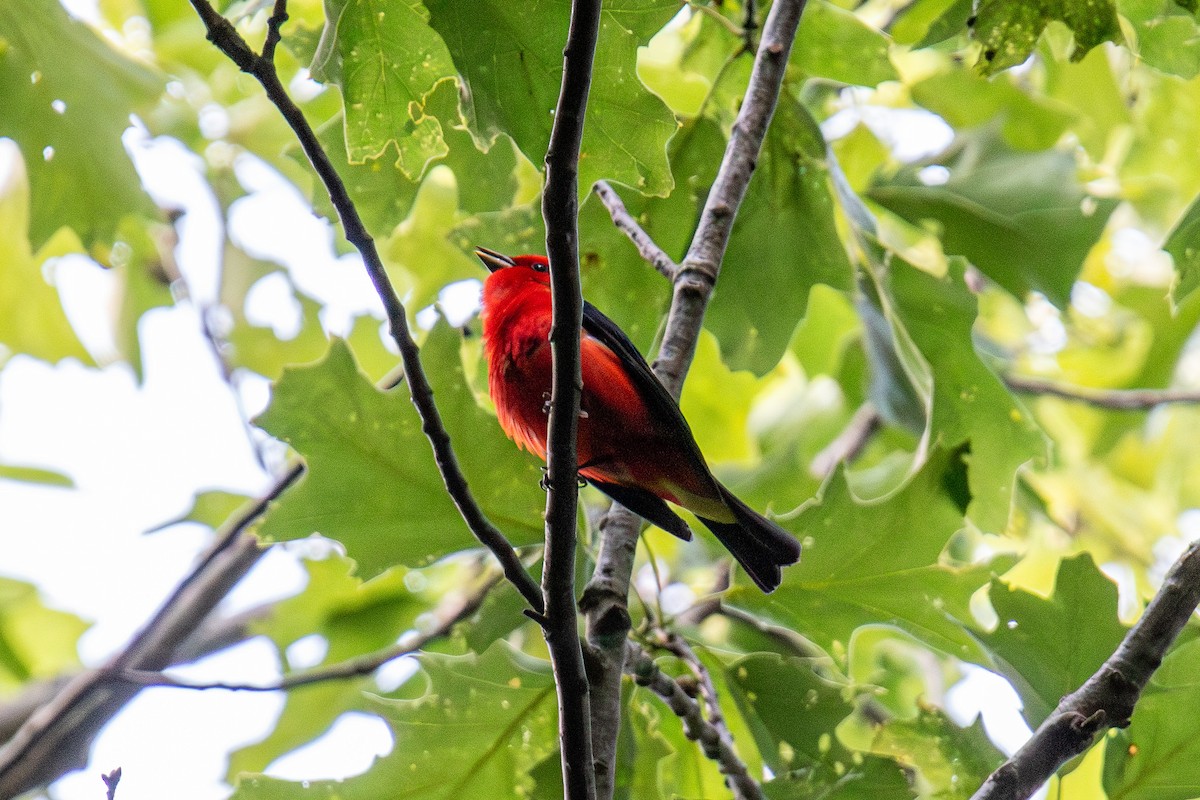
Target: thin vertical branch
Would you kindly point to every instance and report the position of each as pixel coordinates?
(560, 210)
(606, 596)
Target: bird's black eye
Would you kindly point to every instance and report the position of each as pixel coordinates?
(540, 267)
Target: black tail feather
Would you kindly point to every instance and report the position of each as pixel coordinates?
(647, 506)
(759, 545)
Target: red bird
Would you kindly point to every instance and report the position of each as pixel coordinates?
(634, 444)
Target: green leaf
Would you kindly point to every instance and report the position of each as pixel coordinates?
(1166, 35)
(927, 22)
(482, 725)
(716, 401)
(793, 714)
(1158, 756)
(46, 477)
(510, 57)
(867, 778)
(856, 571)
(386, 59)
(785, 701)
(1008, 31)
(829, 328)
(1047, 648)
(664, 760)
(970, 404)
(785, 242)
(31, 317)
(35, 641)
(1183, 243)
(67, 100)
(1022, 218)
(641, 747)
(210, 508)
(371, 481)
(421, 246)
(967, 100)
(953, 761)
(835, 44)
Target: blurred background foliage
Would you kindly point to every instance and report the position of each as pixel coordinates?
(951, 195)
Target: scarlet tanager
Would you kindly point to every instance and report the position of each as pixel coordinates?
(634, 444)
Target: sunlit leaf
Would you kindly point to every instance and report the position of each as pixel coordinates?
(1022, 218)
(834, 43)
(32, 320)
(785, 243)
(1008, 31)
(371, 482)
(46, 477)
(513, 71)
(386, 59)
(879, 563)
(1049, 647)
(35, 641)
(67, 100)
(953, 761)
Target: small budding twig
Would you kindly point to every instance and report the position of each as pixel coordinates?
(645, 672)
(110, 782)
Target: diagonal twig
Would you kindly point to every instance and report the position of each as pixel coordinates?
(448, 615)
(646, 246)
(56, 737)
(1108, 697)
(645, 672)
(1116, 399)
(226, 38)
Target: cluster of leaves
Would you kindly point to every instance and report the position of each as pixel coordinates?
(967, 531)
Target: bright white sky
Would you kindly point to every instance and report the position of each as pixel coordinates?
(138, 455)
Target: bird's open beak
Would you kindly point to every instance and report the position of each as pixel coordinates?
(493, 260)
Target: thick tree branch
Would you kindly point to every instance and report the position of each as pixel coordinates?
(56, 737)
(646, 246)
(1117, 399)
(716, 747)
(606, 596)
(560, 210)
(1106, 699)
(447, 615)
(222, 34)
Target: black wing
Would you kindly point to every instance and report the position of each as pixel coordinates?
(663, 408)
